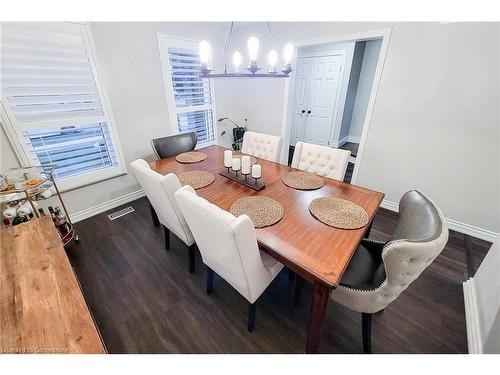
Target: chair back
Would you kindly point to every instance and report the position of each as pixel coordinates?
(420, 236)
(160, 192)
(228, 245)
(174, 145)
(321, 160)
(261, 145)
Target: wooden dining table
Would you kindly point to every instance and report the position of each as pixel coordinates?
(317, 252)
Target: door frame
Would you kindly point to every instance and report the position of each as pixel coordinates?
(289, 94)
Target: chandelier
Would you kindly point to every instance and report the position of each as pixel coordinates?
(253, 52)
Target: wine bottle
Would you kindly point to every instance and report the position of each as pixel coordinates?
(18, 220)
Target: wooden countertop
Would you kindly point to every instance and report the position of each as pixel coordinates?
(42, 309)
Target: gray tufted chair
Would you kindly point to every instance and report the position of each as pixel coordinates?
(378, 272)
(261, 145)
(321, 160)
(174, 145)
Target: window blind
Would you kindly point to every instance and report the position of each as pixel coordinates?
(192, 94)
(49, 85)
(74, 149)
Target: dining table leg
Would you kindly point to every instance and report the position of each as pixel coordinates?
(319, 302)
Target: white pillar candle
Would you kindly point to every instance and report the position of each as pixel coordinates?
(245, 164)
(228, 158)
(256, 171)
(236, 164)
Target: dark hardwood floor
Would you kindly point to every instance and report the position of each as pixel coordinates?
(144, 300)
(353, 147)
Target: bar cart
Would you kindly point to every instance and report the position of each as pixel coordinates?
(30, 185)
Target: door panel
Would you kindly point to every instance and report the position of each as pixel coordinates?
(301, 94)
(317, 86)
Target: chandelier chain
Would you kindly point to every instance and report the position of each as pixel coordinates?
(272, 35)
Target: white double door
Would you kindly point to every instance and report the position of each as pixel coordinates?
(317, 87)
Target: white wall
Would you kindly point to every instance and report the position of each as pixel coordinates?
(435, 125)
(357, 61)
(363, 90)
(128, 58)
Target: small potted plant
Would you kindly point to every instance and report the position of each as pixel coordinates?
(238, 132)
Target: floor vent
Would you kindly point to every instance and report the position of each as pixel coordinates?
(120, 213)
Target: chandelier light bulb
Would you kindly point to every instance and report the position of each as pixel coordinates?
(288, 53)
(204, 49)
(253, 48)
(237, 58)
(272, 58)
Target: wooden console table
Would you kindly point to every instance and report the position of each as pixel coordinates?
(42, 306)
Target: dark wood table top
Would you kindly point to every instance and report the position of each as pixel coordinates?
(41, 304)
(316, 251)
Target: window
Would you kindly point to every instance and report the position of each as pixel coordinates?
(53, 106)
(190, 98)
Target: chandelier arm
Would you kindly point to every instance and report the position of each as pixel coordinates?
(272, 35)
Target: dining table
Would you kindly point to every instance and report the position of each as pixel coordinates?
(315, 251)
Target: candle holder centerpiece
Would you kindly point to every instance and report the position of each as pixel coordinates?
(238, 170)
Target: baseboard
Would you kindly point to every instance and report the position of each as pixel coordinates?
(340, 142)
(455, 225)
(89, 212)
(472, 318)
(352, 139)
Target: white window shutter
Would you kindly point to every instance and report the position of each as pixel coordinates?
(192, 94)
(51, 89)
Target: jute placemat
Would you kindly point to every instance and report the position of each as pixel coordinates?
(263, 211)
(302, 180)
(196, 179)
(253, 160)
(338, 213)
(191, 157)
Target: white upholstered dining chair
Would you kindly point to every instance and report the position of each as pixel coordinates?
(160, 191)
(228, 246)
(262, 145)
(321, 160)
(378, 272)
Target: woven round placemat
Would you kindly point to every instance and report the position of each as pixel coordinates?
(338, 213)
(263, 211)
(302, 180)
(253, 160)
(191, 157)
(196, 179)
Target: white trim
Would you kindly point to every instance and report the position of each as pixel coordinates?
(100, 208)
(353, 139)
(455, 225)
(340, 142)
(474, 341)
(385, 34)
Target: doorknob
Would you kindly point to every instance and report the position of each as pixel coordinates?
(303, 111)
(308, 112)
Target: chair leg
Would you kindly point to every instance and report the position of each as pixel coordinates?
(210, 280)
(166, 231)
(366, 322)
(154, 216)
(191, 257)
(251, 316)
